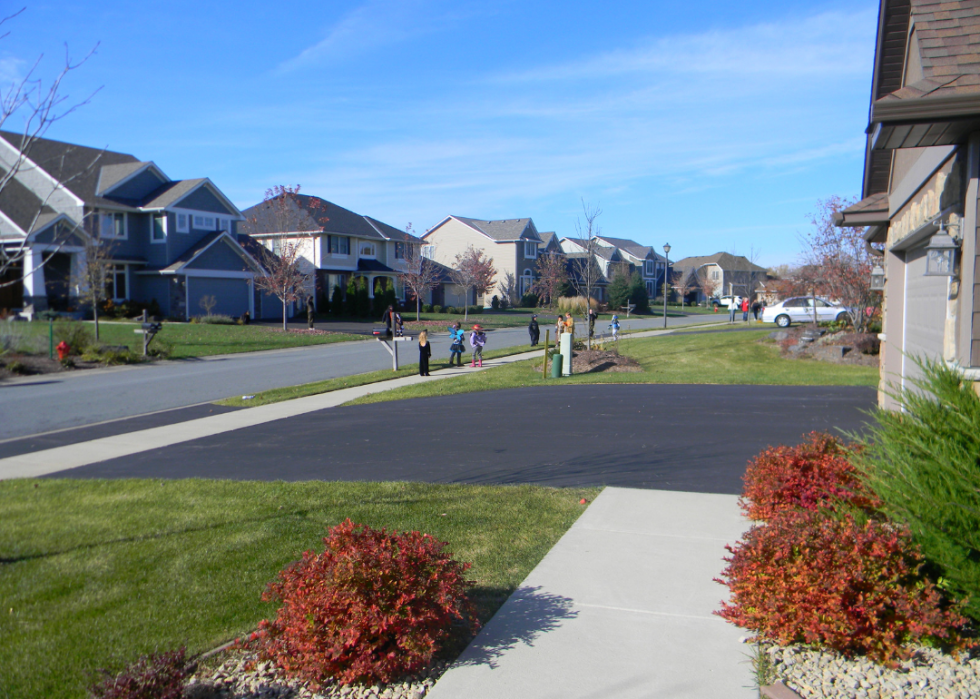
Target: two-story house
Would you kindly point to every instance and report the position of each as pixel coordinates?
(170, 241)
(335, 244)
(720, 274)
(512, 244)
(644, 259)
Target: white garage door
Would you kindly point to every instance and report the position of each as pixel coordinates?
(925, 312)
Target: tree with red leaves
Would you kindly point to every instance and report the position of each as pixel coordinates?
(837, 263)
(552, 273)
(473, 271)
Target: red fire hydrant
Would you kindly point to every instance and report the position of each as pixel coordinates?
(63, 350)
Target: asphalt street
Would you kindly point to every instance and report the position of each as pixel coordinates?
(58, 401)
(694, 438)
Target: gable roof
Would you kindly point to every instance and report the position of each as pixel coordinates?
(192, 253)
(503, 231)
(727, 262)
(20, 206)
(642, 252)
(315, 215)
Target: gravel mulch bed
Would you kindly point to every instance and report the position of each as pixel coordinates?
(243, 676)
(928, 674)
(586, 361)
(32, 365)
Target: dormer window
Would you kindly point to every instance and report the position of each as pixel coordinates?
(112, 225)
(530, 250)
(367, 250)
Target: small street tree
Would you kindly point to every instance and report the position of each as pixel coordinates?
(552, 276)
(682, 285)
(586, 271)
(837, 263)
(420, 276)
(473, 272)
(93, 274)
(284, 277)
(705, 284)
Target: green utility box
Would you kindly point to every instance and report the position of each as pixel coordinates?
(556, 360)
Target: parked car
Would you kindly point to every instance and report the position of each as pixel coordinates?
(801, 310)
(723, 301)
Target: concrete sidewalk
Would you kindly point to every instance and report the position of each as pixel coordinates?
(620, 607)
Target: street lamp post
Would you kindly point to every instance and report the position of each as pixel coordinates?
(666, 273)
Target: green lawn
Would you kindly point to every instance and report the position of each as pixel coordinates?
(94, 573)
(193, 339)
(745, 357)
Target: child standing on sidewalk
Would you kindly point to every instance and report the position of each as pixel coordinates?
(614, 326)
(477, 341)
(425, 351)
(456, 337)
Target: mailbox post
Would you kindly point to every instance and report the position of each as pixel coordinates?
(384, 336)
(148, 330)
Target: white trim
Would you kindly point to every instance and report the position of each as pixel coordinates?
(56, 185)
(186, 228)
(17, 229)
(217, 274)
(232, 209)
(113, 214)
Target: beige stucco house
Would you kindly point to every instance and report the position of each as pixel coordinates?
(512, 244)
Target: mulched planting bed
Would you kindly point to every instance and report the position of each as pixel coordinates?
(592, 361)
(30, 365)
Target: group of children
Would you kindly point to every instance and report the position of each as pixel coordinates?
(457, 336)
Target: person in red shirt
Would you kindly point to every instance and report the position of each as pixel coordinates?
(745, 309)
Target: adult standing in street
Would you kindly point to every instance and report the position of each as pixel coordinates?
(756, 307)
(425, 351)
(533, 330)
(310, 311)
(388, 318)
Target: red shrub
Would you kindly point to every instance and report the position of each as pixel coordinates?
(810, 475)
(374, 605)
(855, 588)
(159, 676)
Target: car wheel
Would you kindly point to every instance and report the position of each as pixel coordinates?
(841, 317)
(782, 321)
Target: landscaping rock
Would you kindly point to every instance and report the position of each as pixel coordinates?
(929, 674)
(240, 676)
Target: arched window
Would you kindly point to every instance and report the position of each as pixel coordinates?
(527, 281)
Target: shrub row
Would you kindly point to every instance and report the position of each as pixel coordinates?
(824, 566)
(452, 310)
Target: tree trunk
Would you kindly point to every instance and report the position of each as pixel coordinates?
(95, 315)
(284, 315)
(418, 305)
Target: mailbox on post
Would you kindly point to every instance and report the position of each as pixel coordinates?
(148, 330)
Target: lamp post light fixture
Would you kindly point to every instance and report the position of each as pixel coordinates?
(877, 278)
(941, 253)
(666, 275)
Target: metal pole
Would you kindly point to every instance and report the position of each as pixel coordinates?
(544, 369)
(51, 338)
(666, 272)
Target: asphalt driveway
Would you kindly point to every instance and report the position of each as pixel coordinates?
(670, 437)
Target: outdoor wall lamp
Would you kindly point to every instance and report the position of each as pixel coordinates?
(877, 278)
(941, 252)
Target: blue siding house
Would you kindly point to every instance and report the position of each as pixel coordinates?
(170, 241)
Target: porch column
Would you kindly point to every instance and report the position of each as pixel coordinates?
(34, 288)
(371, 279)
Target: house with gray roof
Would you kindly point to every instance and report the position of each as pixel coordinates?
(170, 241)
(721, 273)
(920, 200)
(512, 244)
(335, 244)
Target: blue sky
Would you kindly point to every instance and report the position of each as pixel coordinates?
(714, 126)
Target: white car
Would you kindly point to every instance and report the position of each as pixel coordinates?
(801, 310)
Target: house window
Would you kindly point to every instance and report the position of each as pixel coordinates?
(527, 281)
(183, 223)
(715, 275)
(159, 232)
(204, 223)
(399, 251)
(530, 250)
(650, 289)
(338, 244)
(277, 246)
(648, 267)
(367, 250)
(224, 224)
(116, 287)
(112, 225)
(429, 251)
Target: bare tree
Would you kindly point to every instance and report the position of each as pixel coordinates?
(208, 303)
(420, 276)
(682, 284)
(284, 277)
(33, 105)
(586, 271)
(552, 275)
(93, 274)
(707, 285)
(473, 271)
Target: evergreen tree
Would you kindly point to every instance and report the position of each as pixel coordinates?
(350, 303)
(924, 464)
(638, 293)
(337, 300)
(620, 289)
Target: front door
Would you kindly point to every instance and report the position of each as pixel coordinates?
(178, 297)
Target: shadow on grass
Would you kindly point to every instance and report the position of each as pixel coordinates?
(523, 617)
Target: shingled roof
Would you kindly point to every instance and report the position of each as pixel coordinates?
(502, 231)
(727, 261)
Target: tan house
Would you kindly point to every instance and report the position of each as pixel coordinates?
(922, 183)
(726, 274)
(512, 244)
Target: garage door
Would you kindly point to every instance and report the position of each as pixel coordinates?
(925, 312)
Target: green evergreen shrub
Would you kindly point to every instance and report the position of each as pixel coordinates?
(337, 300)
(924, 464)
(73, 332)
(350, 301)
(437, 309)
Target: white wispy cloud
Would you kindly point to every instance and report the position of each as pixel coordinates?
(12, 70)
